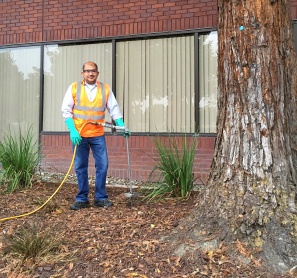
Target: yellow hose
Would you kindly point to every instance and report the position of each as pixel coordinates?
(66, 176)
(29, 213)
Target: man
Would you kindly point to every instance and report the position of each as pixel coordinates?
(83, 109)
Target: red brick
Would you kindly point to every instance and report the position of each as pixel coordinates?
(64, 20)
(143, 153)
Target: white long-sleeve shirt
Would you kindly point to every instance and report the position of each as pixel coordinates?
(91, 90)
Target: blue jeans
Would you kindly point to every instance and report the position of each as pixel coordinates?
(81, 162)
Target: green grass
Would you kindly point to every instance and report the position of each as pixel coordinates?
(19, 157)
(174, 167)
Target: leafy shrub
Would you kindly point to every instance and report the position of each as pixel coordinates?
(175, 167)
(19, 157)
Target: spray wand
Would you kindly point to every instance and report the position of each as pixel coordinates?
(114, 128)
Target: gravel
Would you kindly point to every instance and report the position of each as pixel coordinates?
(110, 181)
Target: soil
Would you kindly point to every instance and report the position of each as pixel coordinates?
(126, 240)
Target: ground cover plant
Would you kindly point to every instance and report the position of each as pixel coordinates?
(31, 241)
(19, 158)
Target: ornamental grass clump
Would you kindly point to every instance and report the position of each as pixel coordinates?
(19, 157)
(174, 169)
(31, 242)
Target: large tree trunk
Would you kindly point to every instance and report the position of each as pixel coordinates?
(251, 191)
(253, 160)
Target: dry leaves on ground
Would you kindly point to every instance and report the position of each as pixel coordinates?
(121, 241)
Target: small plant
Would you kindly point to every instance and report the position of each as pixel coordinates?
(50, 207)
(19, 157)
(31, 241)
(175, 166)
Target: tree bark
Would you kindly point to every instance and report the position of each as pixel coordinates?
(251, 191)
(254, 158)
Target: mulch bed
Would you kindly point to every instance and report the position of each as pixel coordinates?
(121, 241)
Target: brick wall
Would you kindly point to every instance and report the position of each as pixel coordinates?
(58, 154)
(53, 20)
(32, 21)
(294, 9)
(48, 20)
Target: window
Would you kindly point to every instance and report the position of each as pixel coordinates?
(155, 84)
(63, 66)
(154, 81)
(20, 89)
(208, 45)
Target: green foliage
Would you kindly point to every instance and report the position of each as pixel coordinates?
(31, 241)
(19, 157)
(175, 167)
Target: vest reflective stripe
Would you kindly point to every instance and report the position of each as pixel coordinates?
(85, 111)
(87, 108)
(85, 117)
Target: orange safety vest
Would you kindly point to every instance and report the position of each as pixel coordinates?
(85, 111)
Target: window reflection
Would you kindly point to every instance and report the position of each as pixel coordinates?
(20, 89)
(208, 47)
